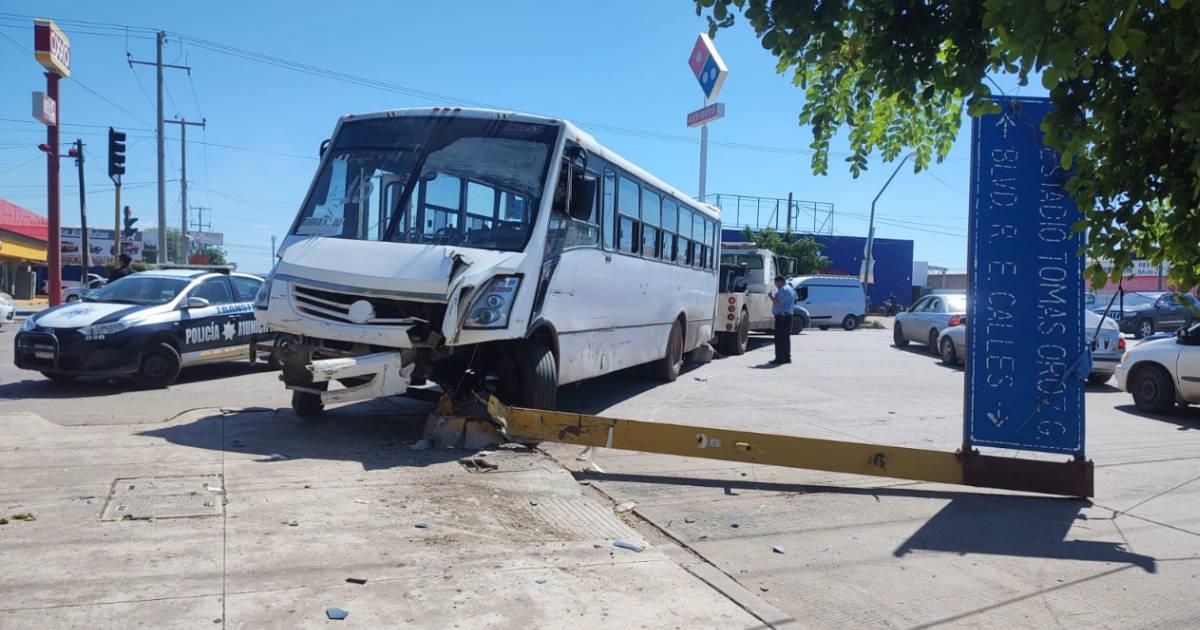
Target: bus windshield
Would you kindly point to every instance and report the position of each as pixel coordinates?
(439, 180)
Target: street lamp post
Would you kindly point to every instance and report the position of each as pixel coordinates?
(866, 274)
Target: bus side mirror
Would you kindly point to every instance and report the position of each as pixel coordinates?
(324, 147)
(583, 197)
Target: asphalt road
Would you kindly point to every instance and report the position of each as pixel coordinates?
(826, 549)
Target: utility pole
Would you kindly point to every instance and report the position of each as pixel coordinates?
(184, 248)
(160, 40)
(85, 257)
(200, 224)
(866, 274)
(272, 250)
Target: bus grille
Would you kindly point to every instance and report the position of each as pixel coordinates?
(335, 306)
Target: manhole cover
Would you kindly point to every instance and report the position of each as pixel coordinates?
(165, 497)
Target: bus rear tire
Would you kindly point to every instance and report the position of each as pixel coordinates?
(533, 381)
(667, 368)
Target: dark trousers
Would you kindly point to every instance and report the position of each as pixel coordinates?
(783, 337)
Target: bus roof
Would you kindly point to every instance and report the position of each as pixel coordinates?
(573, 132)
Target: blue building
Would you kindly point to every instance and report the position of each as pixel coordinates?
(893, 261)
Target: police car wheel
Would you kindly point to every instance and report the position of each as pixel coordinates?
(59, 378)
(160, 366)
(306, 404)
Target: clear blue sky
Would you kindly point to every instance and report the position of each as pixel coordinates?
(618, 64)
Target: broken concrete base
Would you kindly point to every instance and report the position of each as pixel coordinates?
(462, 432)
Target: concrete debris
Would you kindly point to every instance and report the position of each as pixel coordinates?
(628, 506)
(702, 380)
(292, 523)
(274, 457)
(734, 525)
(777, 549)
(540, 581)
(585, 455)
(688, 519)
(445, 431)
(356, 580)
(420, 526)
(422, 444)
(625, 544)
(364, 502)
(336, 614)
(480, 434)
(596, 468)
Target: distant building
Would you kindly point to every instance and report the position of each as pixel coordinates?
(23, 238)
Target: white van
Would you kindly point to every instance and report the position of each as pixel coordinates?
(831, 300)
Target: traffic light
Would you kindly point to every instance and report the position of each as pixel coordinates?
(129, 230)
(116, 153)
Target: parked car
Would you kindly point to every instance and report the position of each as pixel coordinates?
(831, 300)
(147, 326)
(1146, 313)
(8, 309)
(1106, 348)
(928, 317)
(75, 293)
(1161, 373)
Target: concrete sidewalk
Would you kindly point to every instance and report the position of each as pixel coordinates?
(262, 518)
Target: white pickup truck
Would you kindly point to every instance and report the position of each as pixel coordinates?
(743, 300)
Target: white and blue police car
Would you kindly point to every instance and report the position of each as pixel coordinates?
(147, 325)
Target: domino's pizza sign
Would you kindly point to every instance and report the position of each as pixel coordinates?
(707, 65)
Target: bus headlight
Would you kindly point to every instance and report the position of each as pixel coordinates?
(492, 306)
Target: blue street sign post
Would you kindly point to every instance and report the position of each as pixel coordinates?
(1027, 356)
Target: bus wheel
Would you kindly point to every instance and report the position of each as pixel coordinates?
(667, 368)
(533, 381)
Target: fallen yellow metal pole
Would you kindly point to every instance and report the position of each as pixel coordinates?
(1064, 478)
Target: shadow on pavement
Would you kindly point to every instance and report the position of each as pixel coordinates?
(597, 394)
(1032, 527)
(38, 387)
(972, 522)
(1186, 418)
(374, 433)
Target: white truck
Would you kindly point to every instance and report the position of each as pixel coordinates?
(744, 300)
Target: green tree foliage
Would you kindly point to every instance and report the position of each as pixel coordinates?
(805, 251)
(1124, 77)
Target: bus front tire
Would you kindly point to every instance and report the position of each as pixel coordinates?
(667, 368)
(533, 381)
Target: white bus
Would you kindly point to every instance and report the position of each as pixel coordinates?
(484, 249)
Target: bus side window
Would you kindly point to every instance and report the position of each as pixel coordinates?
(670, 226)
(685, 234)
(714, 241)
(609, 220)
(583, 232)
(628, 208)
(651, 219)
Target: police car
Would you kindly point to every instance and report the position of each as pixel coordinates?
(146, 325)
